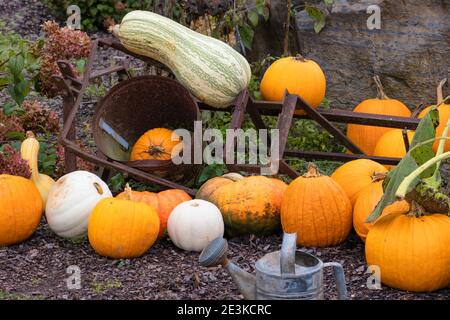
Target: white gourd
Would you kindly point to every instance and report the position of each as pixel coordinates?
(71, 201)
(193, 224)
(212, 70)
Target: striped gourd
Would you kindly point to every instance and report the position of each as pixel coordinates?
(213, 71)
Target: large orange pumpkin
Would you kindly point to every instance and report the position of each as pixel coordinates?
(298, 75)
(444, 115)
(155, 144)
(354, 175)
(366, 202)
(392, 144)
(411, 249)
(317, 209)
(249, 205)
(21, 209)
(366, 137)
(163, 202)
(122, 229)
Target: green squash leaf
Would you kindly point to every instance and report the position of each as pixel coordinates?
(419, 153)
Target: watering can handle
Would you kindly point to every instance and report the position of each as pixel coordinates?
(339, 278)
(287, 253)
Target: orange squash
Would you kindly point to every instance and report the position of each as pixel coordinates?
(391, 144)
(155, 144)
(366, 137)
(411, 250)
(354, 175)
(366, 202)
(317, 209)
(444, 115)
(163, 202)
(249, 205)
(122, 229)
(21, 209)
(298, 75)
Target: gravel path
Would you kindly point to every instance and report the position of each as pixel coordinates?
(38, 268)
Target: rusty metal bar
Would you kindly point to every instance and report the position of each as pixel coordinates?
(339, 116)
(405, 139)
(336, 156)
(138, 174)
(322, 121)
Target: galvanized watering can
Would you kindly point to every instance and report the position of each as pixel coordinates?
(288, 274)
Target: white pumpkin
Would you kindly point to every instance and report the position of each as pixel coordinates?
(71, 200)
(193, 224)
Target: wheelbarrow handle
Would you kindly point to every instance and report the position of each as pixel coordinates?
(339, 278)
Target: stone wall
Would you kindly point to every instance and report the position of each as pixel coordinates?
(410, 53)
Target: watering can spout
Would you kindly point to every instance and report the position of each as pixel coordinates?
(245, 281)
(216, 253)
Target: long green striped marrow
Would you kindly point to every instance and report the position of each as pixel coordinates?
(212, 70)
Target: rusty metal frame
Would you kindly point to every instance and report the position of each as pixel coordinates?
(72, 89)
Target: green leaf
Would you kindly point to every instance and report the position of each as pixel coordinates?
(318, 16)
(211, 171)
(253, 17)
(419, 153)
(246, 33)
(15, 135)
(117, 182)
(395, 177)
(80, 65)
(328, 2)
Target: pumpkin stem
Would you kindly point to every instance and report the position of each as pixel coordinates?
(233, 176)
(381, 94)
(114, 29)
(156, 151)
(128, 192)
(30, 134)
(378, 176)
(440, 96)
(313, 171)
(416, 210)
(299, 57)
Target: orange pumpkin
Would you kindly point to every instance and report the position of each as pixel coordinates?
(155, 144)
(391, 144)
(163, 202)
(317, 209)
(249, 205)
(122, 229)
(21, 209)
(354, 175)
(444, 115)
(366, 202)
(366, 137)
(411, 250)
(298, 75)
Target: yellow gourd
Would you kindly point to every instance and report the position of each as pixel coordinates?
(29, 151)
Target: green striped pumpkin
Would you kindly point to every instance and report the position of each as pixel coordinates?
(213, 71)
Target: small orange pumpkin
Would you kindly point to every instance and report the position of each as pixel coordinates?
(298, 75)
(317, 209)
(366, 202)
(444, 115)
(155, 144)
(366, 137)
(391, 144)
(163, 202)
(354, 175)
(21, 209)
(122, 229)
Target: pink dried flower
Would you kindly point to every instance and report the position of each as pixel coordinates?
(12, 163)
